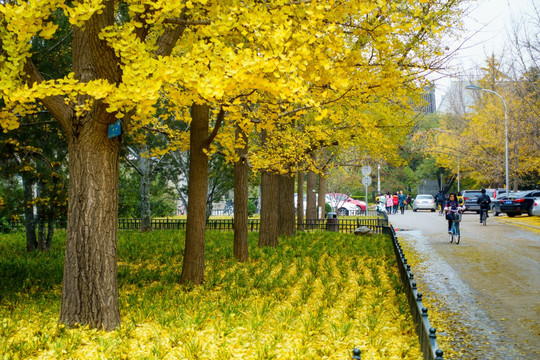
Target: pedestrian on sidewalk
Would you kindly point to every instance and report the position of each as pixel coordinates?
(402, 200)
(389, 202)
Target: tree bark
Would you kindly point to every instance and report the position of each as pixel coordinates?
(268, 233)
(300, 202)
(322, 195)
(50, 233)
(286, 222)
(193, 266)
(43, 215)
(90, 293)
(90, 290)
(144, 170)
(240, 250)
(311, 206)
(30, 222)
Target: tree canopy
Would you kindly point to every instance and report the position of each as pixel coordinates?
(307, 73)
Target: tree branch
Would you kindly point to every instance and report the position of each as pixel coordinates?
(213, 135)
(55, 104)
(184, 22)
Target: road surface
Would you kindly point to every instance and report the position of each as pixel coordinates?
(488, 286)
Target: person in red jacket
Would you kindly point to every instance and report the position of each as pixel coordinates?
(395, 202)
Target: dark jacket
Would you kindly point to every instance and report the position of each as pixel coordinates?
(484, 201)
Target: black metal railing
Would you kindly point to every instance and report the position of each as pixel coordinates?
(426, 333)
(348, 225)
(343, 225)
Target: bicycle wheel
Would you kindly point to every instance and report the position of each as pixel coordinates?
(452, 232)
(457, 237)
(484, 217)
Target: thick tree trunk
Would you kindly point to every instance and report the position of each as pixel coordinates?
(193, 266)
(241, 201)
(41, 220)
(50, 233)
(29, 220)
(90, 293)
(41, 232)
(300, 202)
(311, 205)
(268, 233)
(146, 221)
(286, 221)
(322, 195)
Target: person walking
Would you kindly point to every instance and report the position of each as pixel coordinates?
(381, 204)
(389, 202)
(402, 200)
(409, 202)
(395, 202)
(439, 199)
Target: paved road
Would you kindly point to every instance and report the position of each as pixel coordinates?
(489, 283)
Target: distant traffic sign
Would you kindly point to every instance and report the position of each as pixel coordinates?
(366, 170)
(366, 180)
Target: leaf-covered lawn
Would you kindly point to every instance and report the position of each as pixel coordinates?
(317, 295)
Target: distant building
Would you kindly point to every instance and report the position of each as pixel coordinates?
(429, 187)
(430, 105)
(456, 100)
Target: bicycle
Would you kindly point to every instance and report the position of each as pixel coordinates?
(483, 216)
(455, 234)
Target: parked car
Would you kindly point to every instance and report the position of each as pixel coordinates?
(535, 210)
(424, 202)
(469, 200)
(518, 203)
(345, 205)
(496, 203)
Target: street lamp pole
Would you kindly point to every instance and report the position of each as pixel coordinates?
(478, 88)
(378, 178)
(458, 172)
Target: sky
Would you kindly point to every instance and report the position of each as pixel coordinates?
(488, 28)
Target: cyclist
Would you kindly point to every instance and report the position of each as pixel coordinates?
(439, 199)
(484, 201)
(452, 204)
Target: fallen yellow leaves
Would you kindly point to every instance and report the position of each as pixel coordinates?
(318, 295)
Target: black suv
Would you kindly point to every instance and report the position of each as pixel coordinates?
(469, 199)
(518, 203)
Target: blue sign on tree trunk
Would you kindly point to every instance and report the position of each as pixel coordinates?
(115, 129)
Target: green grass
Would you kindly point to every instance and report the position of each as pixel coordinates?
(317, 295)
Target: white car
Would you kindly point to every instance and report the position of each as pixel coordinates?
(338, 204)
(535, 209)
(424, 202)
(344, 205)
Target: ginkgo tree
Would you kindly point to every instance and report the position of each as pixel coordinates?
(209, 59)
(478, 138)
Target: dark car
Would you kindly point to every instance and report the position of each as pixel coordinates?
(518, 203)
(496, 203)
(469, 199)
